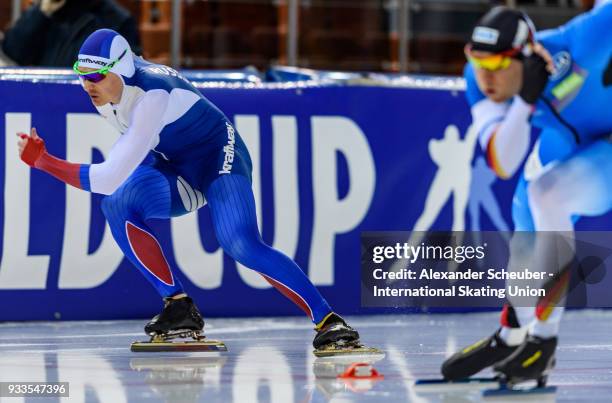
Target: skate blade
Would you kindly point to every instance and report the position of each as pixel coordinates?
(192, 345)
(349, 351)
(516, 392)
(178, 334)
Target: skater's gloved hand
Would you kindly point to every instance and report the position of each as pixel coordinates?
(538, 49)
(535, 78)
(31, 147)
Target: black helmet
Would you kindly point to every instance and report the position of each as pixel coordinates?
(503, 29)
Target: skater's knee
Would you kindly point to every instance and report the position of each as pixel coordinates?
(241, 247)
(544, 193)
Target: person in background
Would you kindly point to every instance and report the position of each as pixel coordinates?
(50, 32)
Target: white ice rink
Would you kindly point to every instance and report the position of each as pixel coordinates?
(270, 360)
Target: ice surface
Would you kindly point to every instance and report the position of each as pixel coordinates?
(270, 360)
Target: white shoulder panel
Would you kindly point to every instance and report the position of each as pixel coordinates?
(180, 102)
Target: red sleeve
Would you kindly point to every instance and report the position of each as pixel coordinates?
(63, 170)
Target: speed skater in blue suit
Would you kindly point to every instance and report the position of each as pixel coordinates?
(560, 82)
(177, 152)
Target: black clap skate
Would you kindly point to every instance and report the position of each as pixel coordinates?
(334, 330)
(335, 337)
(476, 357)
(179, 318)
(533, 360)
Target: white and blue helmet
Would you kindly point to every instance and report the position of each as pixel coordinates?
(104, 47)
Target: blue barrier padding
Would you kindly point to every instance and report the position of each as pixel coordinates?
(330, 161)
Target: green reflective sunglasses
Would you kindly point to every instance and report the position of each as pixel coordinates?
(96, 76)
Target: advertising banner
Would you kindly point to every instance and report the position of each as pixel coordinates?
(330, 162)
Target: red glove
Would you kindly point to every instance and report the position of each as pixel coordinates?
(34, 153)
(33, 150)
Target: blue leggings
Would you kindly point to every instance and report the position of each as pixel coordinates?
(154, 192)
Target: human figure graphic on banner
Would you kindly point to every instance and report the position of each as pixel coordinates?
(481, 195)
(453, 157)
